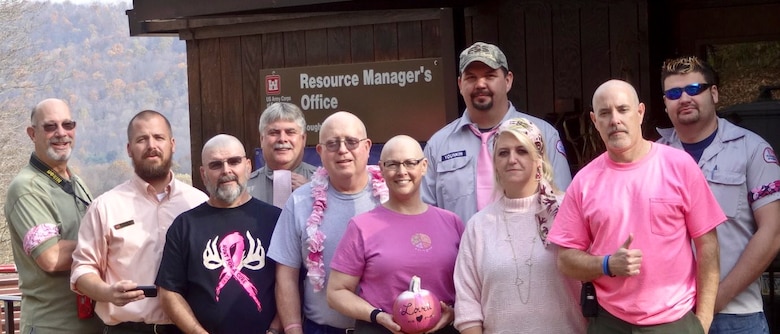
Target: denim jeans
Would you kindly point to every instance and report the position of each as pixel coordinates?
(751, 323)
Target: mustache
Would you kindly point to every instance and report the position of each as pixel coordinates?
(228, 178)
(55, 140)
(152, 153)
(279, 146)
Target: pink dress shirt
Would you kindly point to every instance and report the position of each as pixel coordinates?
(122, 237)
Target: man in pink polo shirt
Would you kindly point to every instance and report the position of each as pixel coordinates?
(627, 222)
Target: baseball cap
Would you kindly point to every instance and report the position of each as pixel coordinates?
(488, 54)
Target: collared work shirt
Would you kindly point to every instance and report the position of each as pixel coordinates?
(452, 163)
(40, 214)
(122, 238)
(743, 173)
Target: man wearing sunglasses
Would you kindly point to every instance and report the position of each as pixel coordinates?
(215, 276)
(743, 173)
(313, 221)
(282, 138)
(461, 177)
(123, 232)
(43, 208)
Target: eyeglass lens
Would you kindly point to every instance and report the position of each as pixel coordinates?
(232, 162)
(350, 143)
(692, 90)
(409, 163)
(67, 125)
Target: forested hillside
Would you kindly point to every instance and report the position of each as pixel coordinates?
(84, 55)
(108, 76)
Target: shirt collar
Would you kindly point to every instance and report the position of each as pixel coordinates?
(145, 187)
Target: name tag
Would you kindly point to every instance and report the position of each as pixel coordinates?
(453, 155)
(123, 225)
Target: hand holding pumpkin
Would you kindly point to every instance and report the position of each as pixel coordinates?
(386, 320)
(447, 317)
(417, 310)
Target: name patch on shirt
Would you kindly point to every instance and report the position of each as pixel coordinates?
(560, 148)
(769, 156)
(123, 225)
(453, 155)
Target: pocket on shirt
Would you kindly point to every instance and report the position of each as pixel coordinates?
(455, 180)
(729, 189)
(667, 216)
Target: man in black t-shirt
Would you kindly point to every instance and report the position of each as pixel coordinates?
(214, 276)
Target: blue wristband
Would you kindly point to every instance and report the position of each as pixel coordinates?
(605, 266)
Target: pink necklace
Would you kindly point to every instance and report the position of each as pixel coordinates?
(315, 238)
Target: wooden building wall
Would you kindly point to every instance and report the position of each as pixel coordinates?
(559, 51)
(224, 63)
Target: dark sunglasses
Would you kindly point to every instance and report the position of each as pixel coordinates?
(51, 127)
(692, 90)
(349, 142)
(232, 162)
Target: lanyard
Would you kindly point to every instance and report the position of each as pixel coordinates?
(66, 185)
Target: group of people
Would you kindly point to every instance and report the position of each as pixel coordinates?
(650, 237)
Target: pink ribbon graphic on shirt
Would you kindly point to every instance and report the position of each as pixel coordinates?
(232, 250)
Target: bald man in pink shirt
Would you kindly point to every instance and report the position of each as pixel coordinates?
(627, 222)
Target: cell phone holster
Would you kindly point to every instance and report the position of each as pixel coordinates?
(590, 306)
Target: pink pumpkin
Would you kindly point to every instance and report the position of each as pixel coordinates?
(416, 310)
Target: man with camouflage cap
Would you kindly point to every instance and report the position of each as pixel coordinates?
(461, 170)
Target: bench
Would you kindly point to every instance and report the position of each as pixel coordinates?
(11, 298)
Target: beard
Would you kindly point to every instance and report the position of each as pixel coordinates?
(150, 171)
(58, 156)
(484, 105)
(226, 193)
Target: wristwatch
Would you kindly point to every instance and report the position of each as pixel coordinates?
(375, 313)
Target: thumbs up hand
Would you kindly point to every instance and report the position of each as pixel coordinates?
(626, 261)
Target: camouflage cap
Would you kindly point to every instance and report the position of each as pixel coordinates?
(488, 54)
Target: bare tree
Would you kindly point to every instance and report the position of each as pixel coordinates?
(18, 61)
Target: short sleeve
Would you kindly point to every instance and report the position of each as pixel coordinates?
(763, 176)
(33, 222)
(286, 245)
(349, 257)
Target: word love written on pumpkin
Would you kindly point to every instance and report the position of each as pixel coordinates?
(410, 309)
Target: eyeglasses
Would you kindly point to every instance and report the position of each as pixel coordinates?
(232, 162)
(692, 90)
(395, 165)
(349, 142)
(51, 127)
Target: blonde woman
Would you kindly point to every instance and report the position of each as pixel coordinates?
(506, 278)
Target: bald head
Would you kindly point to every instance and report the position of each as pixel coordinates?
(342, 121)
(615, 87)
(47, 104)
(221, 142)
(401, 143)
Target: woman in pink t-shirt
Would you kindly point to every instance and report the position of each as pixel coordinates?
(506, 278)
(382, 249)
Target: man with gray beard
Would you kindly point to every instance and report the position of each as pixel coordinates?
(214, 276)
(124, 230)
(282, 138)
(43, 208)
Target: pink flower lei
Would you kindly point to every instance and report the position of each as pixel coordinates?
(315, 238)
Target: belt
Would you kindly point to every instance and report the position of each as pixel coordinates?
(328, 329)
(148, 328)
